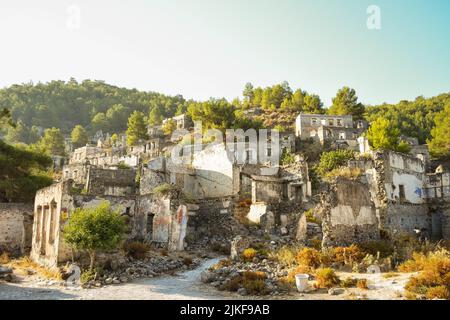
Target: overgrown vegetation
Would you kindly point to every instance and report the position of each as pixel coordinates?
(252, 281)
(136, 250)
(333, 159)
(25, 265)
(326, 278)
(433, 280)
(95, 229)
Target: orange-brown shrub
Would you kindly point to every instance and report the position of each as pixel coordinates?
(326, 278)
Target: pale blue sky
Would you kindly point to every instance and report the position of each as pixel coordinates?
(211, 48)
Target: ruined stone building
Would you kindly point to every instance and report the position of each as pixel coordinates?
(393, 196)
(342, 130)
(16, 221)
(183, 121)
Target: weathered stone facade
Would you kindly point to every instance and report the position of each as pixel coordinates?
(120, 182)
(341, 129)
(16, 224)
(394, 196)
(349, 214)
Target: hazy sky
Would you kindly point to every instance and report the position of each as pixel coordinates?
(211, 48)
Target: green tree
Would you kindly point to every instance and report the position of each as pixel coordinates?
(137, 128)
(346, 103)
(79, 136)
(440, 141)
(383, 134)
(22, 133)
(52, 143)
(95, 229)
(334, 159)
(214, 113)
(169, 127)
(116, 117)
(99, 122)
(22, 171)
(156, 116)
(114, 139)
(312, 104)
(248, 94)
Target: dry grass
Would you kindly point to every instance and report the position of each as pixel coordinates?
(344, 172)
(349, 282)
(249, 254)
(222, 263)
(439, 292)
(252, 281)
(187, 261)
(221, 248)
(309, 257)
(433, 280)
(362, 284)
(347, 255)
(285, 255)
(4, 258)
(326, 278)
(25, 264)
(136, 250)
(390, 275)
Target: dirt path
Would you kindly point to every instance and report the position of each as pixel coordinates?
(186, 285)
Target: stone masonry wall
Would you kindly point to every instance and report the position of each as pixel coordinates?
(16, 227)
(348, 214)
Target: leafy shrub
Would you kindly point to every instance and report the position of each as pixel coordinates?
(287, 158)
(347, 255)
(95, 229)
(163, 189)
(316, 244)
(310, 216)
(232, 284)
(122, 166)
(254, 282)
(434, 274)
(326, 278)
(222, 263)
(221, 248)
(309, 257)
(187, 261)
(286, 255)
(362, 284)
(344, 172)
(87, 276)
(248, 254)
(439, 292)
(349, 282)
(136, 250)
(334, 159)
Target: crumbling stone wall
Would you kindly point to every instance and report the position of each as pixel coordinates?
(111, 182)
(348, 214)
(445, 215)
(16, 227)
(211, 221)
